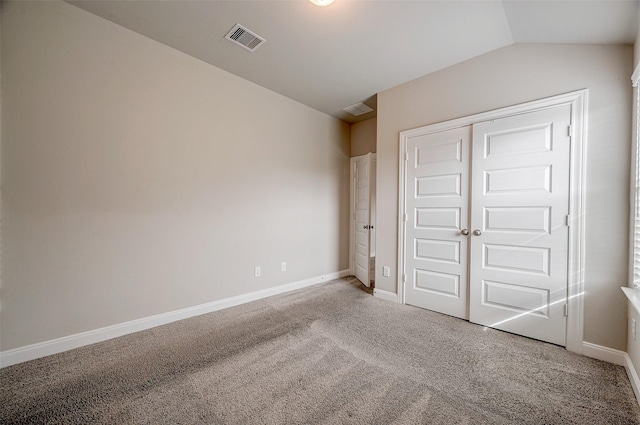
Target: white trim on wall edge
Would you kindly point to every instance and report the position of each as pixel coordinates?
(617, 357)
(606, 354)
(636, 76)
(633, 376)
(385, 295)
(58, 345)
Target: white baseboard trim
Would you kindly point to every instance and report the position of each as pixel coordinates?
(58, 345)
(605, 354)
(385, 295)
(633, 376)
(616, 357)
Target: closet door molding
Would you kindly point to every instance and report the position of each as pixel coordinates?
(577, 101)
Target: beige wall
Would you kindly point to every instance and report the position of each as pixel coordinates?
(518, 74)
(363, 137)
(139, 180)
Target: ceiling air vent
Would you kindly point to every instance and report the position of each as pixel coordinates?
(245, 38)
(358, 109)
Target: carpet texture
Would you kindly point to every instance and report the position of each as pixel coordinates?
(329, 354)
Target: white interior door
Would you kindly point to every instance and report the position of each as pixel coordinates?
(519, 233)
(437, 201)
(362, 226)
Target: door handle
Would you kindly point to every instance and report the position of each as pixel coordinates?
(465, 232)
(477, 232)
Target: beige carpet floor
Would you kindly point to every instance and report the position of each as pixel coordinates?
(329, 354)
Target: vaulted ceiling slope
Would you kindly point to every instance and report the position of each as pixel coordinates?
(331, 57)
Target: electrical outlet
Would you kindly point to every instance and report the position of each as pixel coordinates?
(257, 271)
(633, 329)
(386, 271)
(283, 266)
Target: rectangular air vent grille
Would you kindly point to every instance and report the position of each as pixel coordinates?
(358, 109)
(245, 38)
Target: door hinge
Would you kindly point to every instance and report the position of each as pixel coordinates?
(568, 219)
(570, 131)
(406, 156)
(404, 278)
(566, 310)
(405, 217)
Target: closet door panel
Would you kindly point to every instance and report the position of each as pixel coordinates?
(362, 210)
(519, 234)
(437, 198)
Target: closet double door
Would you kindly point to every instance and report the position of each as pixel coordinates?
(486, 231)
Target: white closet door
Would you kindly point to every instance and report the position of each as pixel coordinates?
(437, 212)
(362, 218)
(520, 207)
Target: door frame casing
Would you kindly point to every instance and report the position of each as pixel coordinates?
(577, 186)
(352, 206)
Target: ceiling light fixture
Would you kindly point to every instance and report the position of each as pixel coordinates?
(321, 2)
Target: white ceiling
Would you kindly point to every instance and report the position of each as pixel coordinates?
(331, 57)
